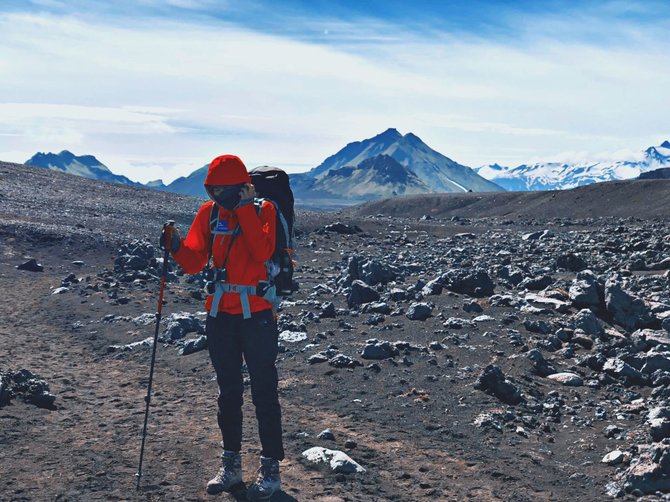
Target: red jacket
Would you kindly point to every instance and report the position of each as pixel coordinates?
(250, 250)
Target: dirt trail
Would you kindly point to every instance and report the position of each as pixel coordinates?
(87, 448)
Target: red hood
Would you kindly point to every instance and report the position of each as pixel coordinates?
(227, 170)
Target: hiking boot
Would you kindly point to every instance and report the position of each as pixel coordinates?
(267, 482)
(229, 475)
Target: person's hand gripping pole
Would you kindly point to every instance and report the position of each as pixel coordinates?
(170, 239)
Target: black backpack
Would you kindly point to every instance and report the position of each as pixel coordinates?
(272, 184)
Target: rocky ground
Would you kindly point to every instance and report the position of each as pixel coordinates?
(488, 358)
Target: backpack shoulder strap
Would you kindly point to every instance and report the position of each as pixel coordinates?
(213, 220)
(280, 216)
(213, 217)
(284, 225)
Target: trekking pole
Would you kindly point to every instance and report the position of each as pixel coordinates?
(147, 399)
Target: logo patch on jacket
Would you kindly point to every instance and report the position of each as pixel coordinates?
(222, 226)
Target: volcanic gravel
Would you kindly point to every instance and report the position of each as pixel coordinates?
(488, 358)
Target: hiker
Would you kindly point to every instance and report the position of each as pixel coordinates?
(239, 240)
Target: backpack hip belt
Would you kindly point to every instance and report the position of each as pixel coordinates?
(226, 287)
(263, 289)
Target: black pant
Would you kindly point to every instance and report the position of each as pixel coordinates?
(229, 337)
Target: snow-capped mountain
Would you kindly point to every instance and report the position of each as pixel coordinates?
(438, 172)
(85, 165)
(558, 176)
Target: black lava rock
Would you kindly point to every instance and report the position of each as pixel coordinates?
(31, 266)
(572, 262)
(419, 311)
(492, 381)
(361, 293)
(477, 283)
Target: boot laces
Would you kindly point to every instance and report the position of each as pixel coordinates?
(268, 472)
(229, 464)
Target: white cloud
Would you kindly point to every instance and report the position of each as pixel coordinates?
(156, 98)
(14, 114)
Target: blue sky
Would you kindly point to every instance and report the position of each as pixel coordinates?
(156, 88)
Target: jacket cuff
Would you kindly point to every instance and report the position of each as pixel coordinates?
(175, 254)
(245, 210)
(245, 202)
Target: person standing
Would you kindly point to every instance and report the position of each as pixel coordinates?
(240, 324)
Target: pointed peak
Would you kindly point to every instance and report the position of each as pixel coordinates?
(665, 144)
(391, 133)
(412, 138)
(66, 153)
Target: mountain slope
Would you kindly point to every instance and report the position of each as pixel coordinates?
(657, 174)
(621, 199)
(193, 184)
(437, 171)
(85, 165)
(380, 176)
(558, 176)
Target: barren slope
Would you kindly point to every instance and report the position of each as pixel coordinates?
(414, 419)
(638, 198)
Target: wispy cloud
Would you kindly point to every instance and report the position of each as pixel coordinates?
(151, 88)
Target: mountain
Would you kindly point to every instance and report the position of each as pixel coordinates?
(85, 165)
(558, 176)
(438, 172)
(401, 165)
(156, 184)
(657, 174)
(379, 176)
(193, 184)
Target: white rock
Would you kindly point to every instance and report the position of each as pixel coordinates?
(544, 300)
(338, 460)
(529, 309)
(613, 458)
(148, 342)
(60, 290)
(483, 318)
(567, 378)
(292, 336)
(145, 319)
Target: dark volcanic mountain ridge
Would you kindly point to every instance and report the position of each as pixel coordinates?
(636, 198)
